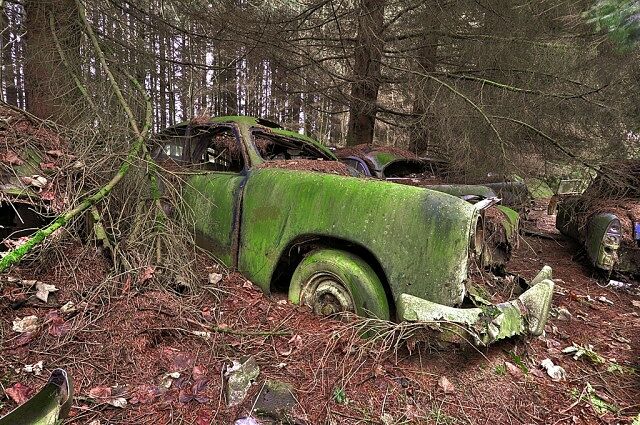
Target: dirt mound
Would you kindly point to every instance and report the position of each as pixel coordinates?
(329, 167)
(32, 155)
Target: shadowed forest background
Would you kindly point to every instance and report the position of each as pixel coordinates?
(489, 85)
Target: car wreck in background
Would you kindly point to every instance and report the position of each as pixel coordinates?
(605, 218)
(499, 222)
(278, 207)
(31, 184)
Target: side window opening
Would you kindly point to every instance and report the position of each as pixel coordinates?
(170, 148)
(218, 151)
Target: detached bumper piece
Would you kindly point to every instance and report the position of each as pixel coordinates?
(527, 314)
(48, 406)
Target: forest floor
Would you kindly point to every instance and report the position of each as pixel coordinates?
(122, 341)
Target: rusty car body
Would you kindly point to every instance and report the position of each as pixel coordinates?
(605, 218)
(500, 223)
(332, 241)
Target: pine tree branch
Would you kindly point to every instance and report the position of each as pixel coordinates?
(15, 256)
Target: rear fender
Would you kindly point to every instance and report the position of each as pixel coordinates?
(420, 237)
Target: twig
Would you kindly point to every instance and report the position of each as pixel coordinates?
(230, 331)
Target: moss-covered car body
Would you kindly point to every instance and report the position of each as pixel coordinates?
(259, 209)
(605, 219)
(500, 222)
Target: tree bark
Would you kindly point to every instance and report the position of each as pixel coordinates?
(422, 132)
(50, 92)
(367, 74)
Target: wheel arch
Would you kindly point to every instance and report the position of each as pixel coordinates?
(298, 248)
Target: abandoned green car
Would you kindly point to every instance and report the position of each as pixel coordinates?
(279, 208)
(500, 223)
(605, 219)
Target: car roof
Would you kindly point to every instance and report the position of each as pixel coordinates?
(265, 124)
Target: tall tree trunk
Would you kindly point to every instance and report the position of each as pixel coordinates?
(367, 75)
(9, 59)
(422, 132)
(50, 90)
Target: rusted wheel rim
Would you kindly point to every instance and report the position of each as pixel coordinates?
(326, 295)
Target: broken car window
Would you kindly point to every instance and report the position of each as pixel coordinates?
(217, 150)
(275, 148)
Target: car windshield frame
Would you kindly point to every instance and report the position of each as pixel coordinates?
(290, 142)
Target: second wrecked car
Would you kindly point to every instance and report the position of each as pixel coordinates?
(279, 208)
(605, 219)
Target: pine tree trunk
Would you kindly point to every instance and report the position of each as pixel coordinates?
(50, 92)
(367, 74)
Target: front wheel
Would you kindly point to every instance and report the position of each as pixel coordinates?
(332, 281)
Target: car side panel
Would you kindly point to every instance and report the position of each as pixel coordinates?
(420, 237)
(212, 199)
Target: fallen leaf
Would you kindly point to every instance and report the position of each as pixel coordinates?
(446, 385)
(214, 278)
(56, 153)
(69, 307)
(198, 372)
(182, 362)
(119, 402)
(557, 373)
(605, 300)
(26, 324)
(378, 371)
(146, 394)
(57, 325)
(100, 392)
(167, 379)
(146, 274)
(19, 393)
(43, 290)
(35, 181)
(47, 195)
(47, 166)
(513, 370)
(127, 285)
(16, 243)
(35, 368)
(204, 417)
(11, 158)
(296, 340)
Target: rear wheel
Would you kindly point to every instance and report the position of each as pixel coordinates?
(332, 281)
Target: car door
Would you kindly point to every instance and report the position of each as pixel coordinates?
(212, 193)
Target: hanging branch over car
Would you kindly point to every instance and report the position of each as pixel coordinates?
(15, 256)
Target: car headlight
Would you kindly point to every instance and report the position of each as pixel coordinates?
(613, 234)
